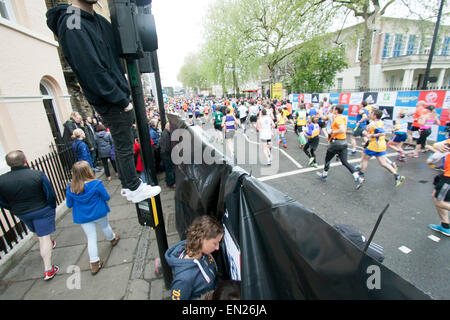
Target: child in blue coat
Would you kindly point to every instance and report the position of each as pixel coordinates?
(88, 198)
(80, 148)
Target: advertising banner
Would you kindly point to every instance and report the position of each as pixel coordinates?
(353, 110)
(407, 98)
(334, 98)
(315, 99)
(277, 91)
(307, 98)
(356, 98)
(344, 98)
(387, 98)
(446, 104)
(371, 97)
(351, 122)
(433, 98)
(324, 95)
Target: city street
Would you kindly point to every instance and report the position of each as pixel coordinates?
(411, 249)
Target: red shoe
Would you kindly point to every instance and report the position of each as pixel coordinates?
(48, 275)
(279, 141)
(285, 145)
(53, 244)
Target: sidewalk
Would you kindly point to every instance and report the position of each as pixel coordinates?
(128, 272)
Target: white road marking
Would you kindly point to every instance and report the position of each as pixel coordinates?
(298, 165)
(434, 238)
(404, 249)
(294, 172)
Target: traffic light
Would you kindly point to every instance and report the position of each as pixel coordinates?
(135, 28)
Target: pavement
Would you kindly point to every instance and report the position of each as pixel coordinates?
(129, 267)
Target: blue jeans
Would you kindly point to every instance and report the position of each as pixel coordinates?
(120, 124)
(90, 229)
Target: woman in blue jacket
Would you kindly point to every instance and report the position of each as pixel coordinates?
(193, 265)
(88, 198)
(80, 148)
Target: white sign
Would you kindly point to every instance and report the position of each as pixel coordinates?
(307, 98)
(324, 95)
(387, 98)
(446, 104)
(233, 254)
(356, 98)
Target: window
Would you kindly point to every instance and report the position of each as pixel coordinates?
(398, 46)
(445, 46)
(3, 166)
(392, 82)
(412, 44)
(425, 45)
(387, 45)
(6, 11)
(339, 83)
(359, 50)
(357, 82)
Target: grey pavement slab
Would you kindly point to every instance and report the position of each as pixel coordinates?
(31, 266)
(138, 289)
(123, 252)
(108, 284)
(15, 290)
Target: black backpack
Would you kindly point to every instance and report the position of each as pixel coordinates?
(351, 233)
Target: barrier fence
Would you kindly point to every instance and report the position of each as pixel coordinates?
(57, 167)
(390, 102)
(275, 246)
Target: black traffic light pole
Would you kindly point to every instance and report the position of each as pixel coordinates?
(135, 34)
(433, 44)
(134, 77)
(155, 65)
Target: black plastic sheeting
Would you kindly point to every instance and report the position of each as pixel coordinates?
(287, 252)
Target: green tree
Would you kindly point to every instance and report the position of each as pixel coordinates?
(192, 73)
(316, 66)
(276, 27)
(229, 57)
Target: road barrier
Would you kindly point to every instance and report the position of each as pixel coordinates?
(275, 246)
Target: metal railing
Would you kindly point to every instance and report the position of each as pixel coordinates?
(387, 89)
(57, 167)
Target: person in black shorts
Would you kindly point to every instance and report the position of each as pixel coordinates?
(441, 193)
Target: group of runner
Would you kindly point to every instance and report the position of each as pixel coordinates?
(270, 119)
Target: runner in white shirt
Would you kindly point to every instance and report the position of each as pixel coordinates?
(253, 113)
(242, 115)
(265, 125)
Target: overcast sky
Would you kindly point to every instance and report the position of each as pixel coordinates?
(179, 29)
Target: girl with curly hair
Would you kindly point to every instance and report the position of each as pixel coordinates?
(193, 265)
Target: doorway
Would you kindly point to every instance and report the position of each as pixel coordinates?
(49, 105)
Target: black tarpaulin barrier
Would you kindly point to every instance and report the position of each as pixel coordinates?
(286, 251)
(199, 186)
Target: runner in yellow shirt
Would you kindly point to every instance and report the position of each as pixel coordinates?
(376, 147)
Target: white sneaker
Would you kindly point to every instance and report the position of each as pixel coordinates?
(125, 192)
(143, 192)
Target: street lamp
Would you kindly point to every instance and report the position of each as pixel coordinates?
(433, 44)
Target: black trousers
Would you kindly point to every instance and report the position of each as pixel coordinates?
(338, 147)
(106, 166)
(310, 147)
